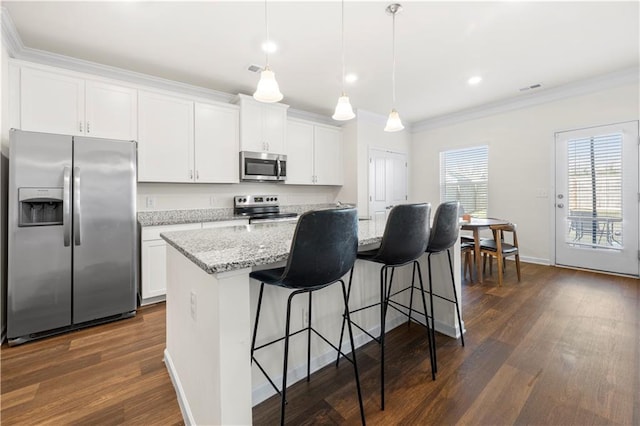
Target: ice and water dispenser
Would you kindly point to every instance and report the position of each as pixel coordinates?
(40, 206)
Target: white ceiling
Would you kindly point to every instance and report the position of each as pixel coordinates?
(439, 45)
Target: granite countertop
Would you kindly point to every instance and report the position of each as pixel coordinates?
(178, 217)
(236, 247)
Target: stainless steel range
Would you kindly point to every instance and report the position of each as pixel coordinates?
(261, 208)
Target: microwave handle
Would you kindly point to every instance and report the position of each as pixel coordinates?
(279, 168)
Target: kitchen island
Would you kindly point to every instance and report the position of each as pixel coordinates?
(211, 305)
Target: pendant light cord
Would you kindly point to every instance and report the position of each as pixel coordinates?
(393, 50)
(267, 41)
(342, 34)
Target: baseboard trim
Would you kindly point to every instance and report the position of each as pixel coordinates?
(187, 416)
(536, 260)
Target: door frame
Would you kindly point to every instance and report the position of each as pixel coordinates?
(552, 192)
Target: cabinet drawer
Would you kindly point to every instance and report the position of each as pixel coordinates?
(150, 233)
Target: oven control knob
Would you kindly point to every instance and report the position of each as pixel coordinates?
(275, 199)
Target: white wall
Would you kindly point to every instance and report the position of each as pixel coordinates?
(366, 132)
(200, 196)
(521, 163)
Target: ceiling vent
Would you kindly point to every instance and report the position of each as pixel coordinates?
(255, 68)
(533, 86)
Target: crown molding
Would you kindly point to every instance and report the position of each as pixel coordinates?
(10, 37)
(577, 88)
(312, 116)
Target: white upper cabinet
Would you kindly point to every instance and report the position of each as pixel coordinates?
(216, 143)
(328, 164)
(51, 102)
(111, 111)
(165, 138)
(262, 126)
(299, 153)
(57, 103)
(314, 154)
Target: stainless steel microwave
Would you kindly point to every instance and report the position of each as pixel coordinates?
(262, 167)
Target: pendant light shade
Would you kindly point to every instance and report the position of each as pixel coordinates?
(268, 89)
(343, 111)
(394, 124)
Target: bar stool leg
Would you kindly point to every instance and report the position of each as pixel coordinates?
(345, 296)
(383, 285)
(309, 340)
(455, 297)
(413, 278)
(426, 320)
(433, 317)
(283, 401)
(346, 310)
(255, 325)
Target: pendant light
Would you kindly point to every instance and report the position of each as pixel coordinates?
(268, 89)
(393, 123)
(343, 111)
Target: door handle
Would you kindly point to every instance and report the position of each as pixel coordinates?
(66, 206)
(560, 205)
(77, 217)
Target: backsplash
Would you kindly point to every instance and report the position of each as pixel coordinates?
(168, 196)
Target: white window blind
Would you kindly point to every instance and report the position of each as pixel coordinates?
(594, 168)
(464, 177)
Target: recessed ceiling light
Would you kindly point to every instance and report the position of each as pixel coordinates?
(351, 78)
(474, 80)
(269, 46)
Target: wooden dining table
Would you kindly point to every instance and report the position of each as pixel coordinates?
(475, 225)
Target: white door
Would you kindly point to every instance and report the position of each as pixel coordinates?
(216, 144)
(596, 205)
(165, 138)
(51, 103)
(387, 182)
(111, 111)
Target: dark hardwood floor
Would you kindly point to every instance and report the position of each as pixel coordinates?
(560, 347)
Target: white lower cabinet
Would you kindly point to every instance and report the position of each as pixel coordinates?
(153, 286)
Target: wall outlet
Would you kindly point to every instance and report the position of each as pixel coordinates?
(194, 304)
(150, 202)
(212, 200)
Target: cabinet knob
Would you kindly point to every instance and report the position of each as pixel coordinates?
(88, 127)
(81, 127)
(197, 175)
(190, 174)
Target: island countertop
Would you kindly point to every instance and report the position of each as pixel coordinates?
(230, 248)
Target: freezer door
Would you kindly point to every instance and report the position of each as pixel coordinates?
(39, 268)
(104, 228)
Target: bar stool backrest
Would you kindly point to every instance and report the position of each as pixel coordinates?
(405, 234)
(444, 232)
(323, 249)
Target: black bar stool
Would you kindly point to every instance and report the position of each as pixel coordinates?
(444, 234)
(404, 240)
(323, 250)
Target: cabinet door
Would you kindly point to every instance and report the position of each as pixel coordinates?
(111, 111)
(251, 126)
(274, 122)
(299, 153)
(165, 138)
(328, 164)
(154, 270)
(216, 144)
(50, 102)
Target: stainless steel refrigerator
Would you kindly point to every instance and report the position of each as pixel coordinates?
(72, 233)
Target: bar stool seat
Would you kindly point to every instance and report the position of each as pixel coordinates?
(334, 235)
(403, 242)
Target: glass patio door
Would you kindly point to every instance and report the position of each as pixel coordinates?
(596, 204)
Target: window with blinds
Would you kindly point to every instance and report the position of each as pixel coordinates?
(464, 177)
(594, 193)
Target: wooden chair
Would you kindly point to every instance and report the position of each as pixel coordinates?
(466, 251)
(500, 249)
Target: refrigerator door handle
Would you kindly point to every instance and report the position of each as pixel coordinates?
(77, 217)
(66, 206)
